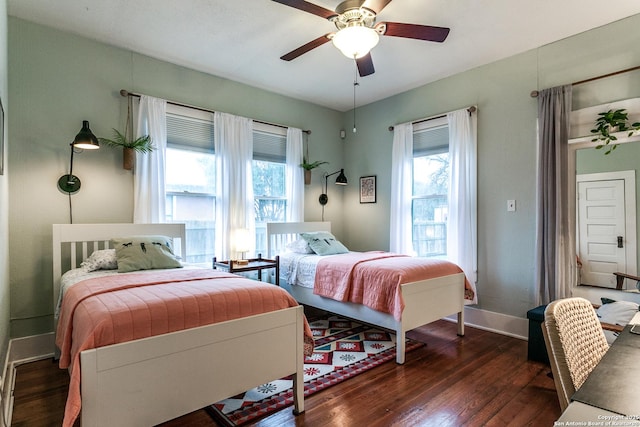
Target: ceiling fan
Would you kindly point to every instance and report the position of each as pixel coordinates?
(358, 31)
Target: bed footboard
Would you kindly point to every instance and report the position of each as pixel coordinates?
(427, 301)
(156, 379)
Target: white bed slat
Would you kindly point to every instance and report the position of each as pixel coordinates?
(85, 254)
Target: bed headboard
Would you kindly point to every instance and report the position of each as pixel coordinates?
(279, 234)
(73, 243)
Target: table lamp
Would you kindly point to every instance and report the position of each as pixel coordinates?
(241, 243)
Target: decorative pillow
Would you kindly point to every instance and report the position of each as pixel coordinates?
(102, 259)
(300, 246)
(324, 243)
(144, 253)
(616, 313)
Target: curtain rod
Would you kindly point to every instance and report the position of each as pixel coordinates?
(125, 93)
(471, 109)
(534, 93)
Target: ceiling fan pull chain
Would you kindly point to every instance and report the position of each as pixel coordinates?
(355, 83)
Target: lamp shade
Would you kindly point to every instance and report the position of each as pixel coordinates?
(340, 180)
(85, 138)
(242, 240)
(355, 42)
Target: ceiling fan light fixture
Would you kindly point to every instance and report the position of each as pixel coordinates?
(356, 41)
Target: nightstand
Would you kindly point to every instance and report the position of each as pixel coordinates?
(254, 264)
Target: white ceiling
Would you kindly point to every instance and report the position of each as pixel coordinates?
(242, 40)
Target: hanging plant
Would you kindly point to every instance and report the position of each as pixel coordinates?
(129, 145)
(307, 169)
(140, 145)
(607, 124)
(308, 166)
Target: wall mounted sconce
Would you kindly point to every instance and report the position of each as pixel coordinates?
(340, 180)
(86, 140)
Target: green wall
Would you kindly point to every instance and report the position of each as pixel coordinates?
(4, 193)
(506, 148)
(58, 80)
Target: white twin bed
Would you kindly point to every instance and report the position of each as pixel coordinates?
(425, 301)
(154, 379)
(151, 380)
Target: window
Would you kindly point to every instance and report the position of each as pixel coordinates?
(190, 179)
(430, 205)
(269, 192)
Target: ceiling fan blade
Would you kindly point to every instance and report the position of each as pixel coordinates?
(376, 5)
(307, 47)
(414, 31)
(365, 65)
(308, 7)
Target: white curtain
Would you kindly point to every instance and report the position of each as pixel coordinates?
(148, 182)
(234, 184)
(462, 235)
(554, 274)
(294, 176)
(400, 239)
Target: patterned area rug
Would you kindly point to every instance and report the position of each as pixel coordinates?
(343, 349)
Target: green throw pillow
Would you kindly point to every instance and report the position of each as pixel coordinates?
(324, 243)
(144, 253)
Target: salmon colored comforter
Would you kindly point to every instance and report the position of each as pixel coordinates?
(374, 278)
(114, 309)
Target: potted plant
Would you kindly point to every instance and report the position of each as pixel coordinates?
(308, 167)
(607, 124)
(142, 144)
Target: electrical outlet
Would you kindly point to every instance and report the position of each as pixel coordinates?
(511, 205)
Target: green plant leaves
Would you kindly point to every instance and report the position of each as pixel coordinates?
(140, 145)
(609, 122)
(309, 166)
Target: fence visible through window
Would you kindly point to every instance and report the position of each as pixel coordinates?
(430, 239)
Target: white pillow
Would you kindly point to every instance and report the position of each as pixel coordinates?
(616, 313)
(103, 259)
(300, 246)
(324, 243)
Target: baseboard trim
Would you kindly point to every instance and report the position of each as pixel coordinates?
(504, 324)
(22, 350)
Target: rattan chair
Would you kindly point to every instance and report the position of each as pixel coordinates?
(575, 343)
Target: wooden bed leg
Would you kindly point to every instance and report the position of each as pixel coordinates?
(461, 323)
(298, 377)
(400, 347)
(298, 393)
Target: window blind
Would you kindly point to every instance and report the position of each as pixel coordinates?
(269, 146)
(432, 140)
(191, 132)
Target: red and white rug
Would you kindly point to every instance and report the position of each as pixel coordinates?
(343, 349)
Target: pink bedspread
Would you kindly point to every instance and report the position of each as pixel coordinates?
(374, 278)
(114, 309)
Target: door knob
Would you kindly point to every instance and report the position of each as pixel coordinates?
(620, 242)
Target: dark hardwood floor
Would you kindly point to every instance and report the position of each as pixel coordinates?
(481, 379)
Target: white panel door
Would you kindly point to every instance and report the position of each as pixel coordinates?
(601, 222)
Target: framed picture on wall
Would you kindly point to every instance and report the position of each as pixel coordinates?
(368, 189)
